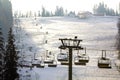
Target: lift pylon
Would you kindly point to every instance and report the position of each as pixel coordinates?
(70, 44)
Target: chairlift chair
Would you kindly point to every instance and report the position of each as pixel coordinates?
(79, 63)
(62, 57)
(81, 59)
(84, 58)
(37, 64)
(42, 65)
(54, 64)
(104, 62)
(48, 59)
(26, 64)
(64, 62)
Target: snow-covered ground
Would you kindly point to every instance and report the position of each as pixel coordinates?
(97, 33)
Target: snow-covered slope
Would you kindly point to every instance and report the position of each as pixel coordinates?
(35, 36)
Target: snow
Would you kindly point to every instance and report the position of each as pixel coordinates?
(97, 33)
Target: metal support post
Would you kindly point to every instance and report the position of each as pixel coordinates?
(70, 64)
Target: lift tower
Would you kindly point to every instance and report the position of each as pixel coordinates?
(70, 44)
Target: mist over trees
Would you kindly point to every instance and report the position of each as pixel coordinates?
(6, 17)
(99, 9)
(102, 9)
(59, 11)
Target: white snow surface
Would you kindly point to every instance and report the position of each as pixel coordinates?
(97, 33)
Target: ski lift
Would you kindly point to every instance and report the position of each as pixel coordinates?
(48, 59)
(104, 62)
(25, 64)
(78, 62)
(42, 65)
(38, 63)
(64, 62)
(81, 59)
(62, 56)
(54, 64)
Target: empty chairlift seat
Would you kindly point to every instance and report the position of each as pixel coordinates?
(38, 64)
(84, 58)
(62, 57)
(26, 64)
(104, 62)
(48, 61)
(48, 58)
(54, 64)
(81, 60)
(64, 62)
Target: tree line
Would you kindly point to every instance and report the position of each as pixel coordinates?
(98, 9)
(103, 9)
(59, 11)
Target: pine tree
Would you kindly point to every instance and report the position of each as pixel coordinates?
(43, 12)
(59, 11)
(102, 9)
(2, 51)
(11, 59)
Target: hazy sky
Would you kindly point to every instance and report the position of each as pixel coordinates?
(70, 5)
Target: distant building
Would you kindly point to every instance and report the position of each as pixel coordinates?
(84, 14)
